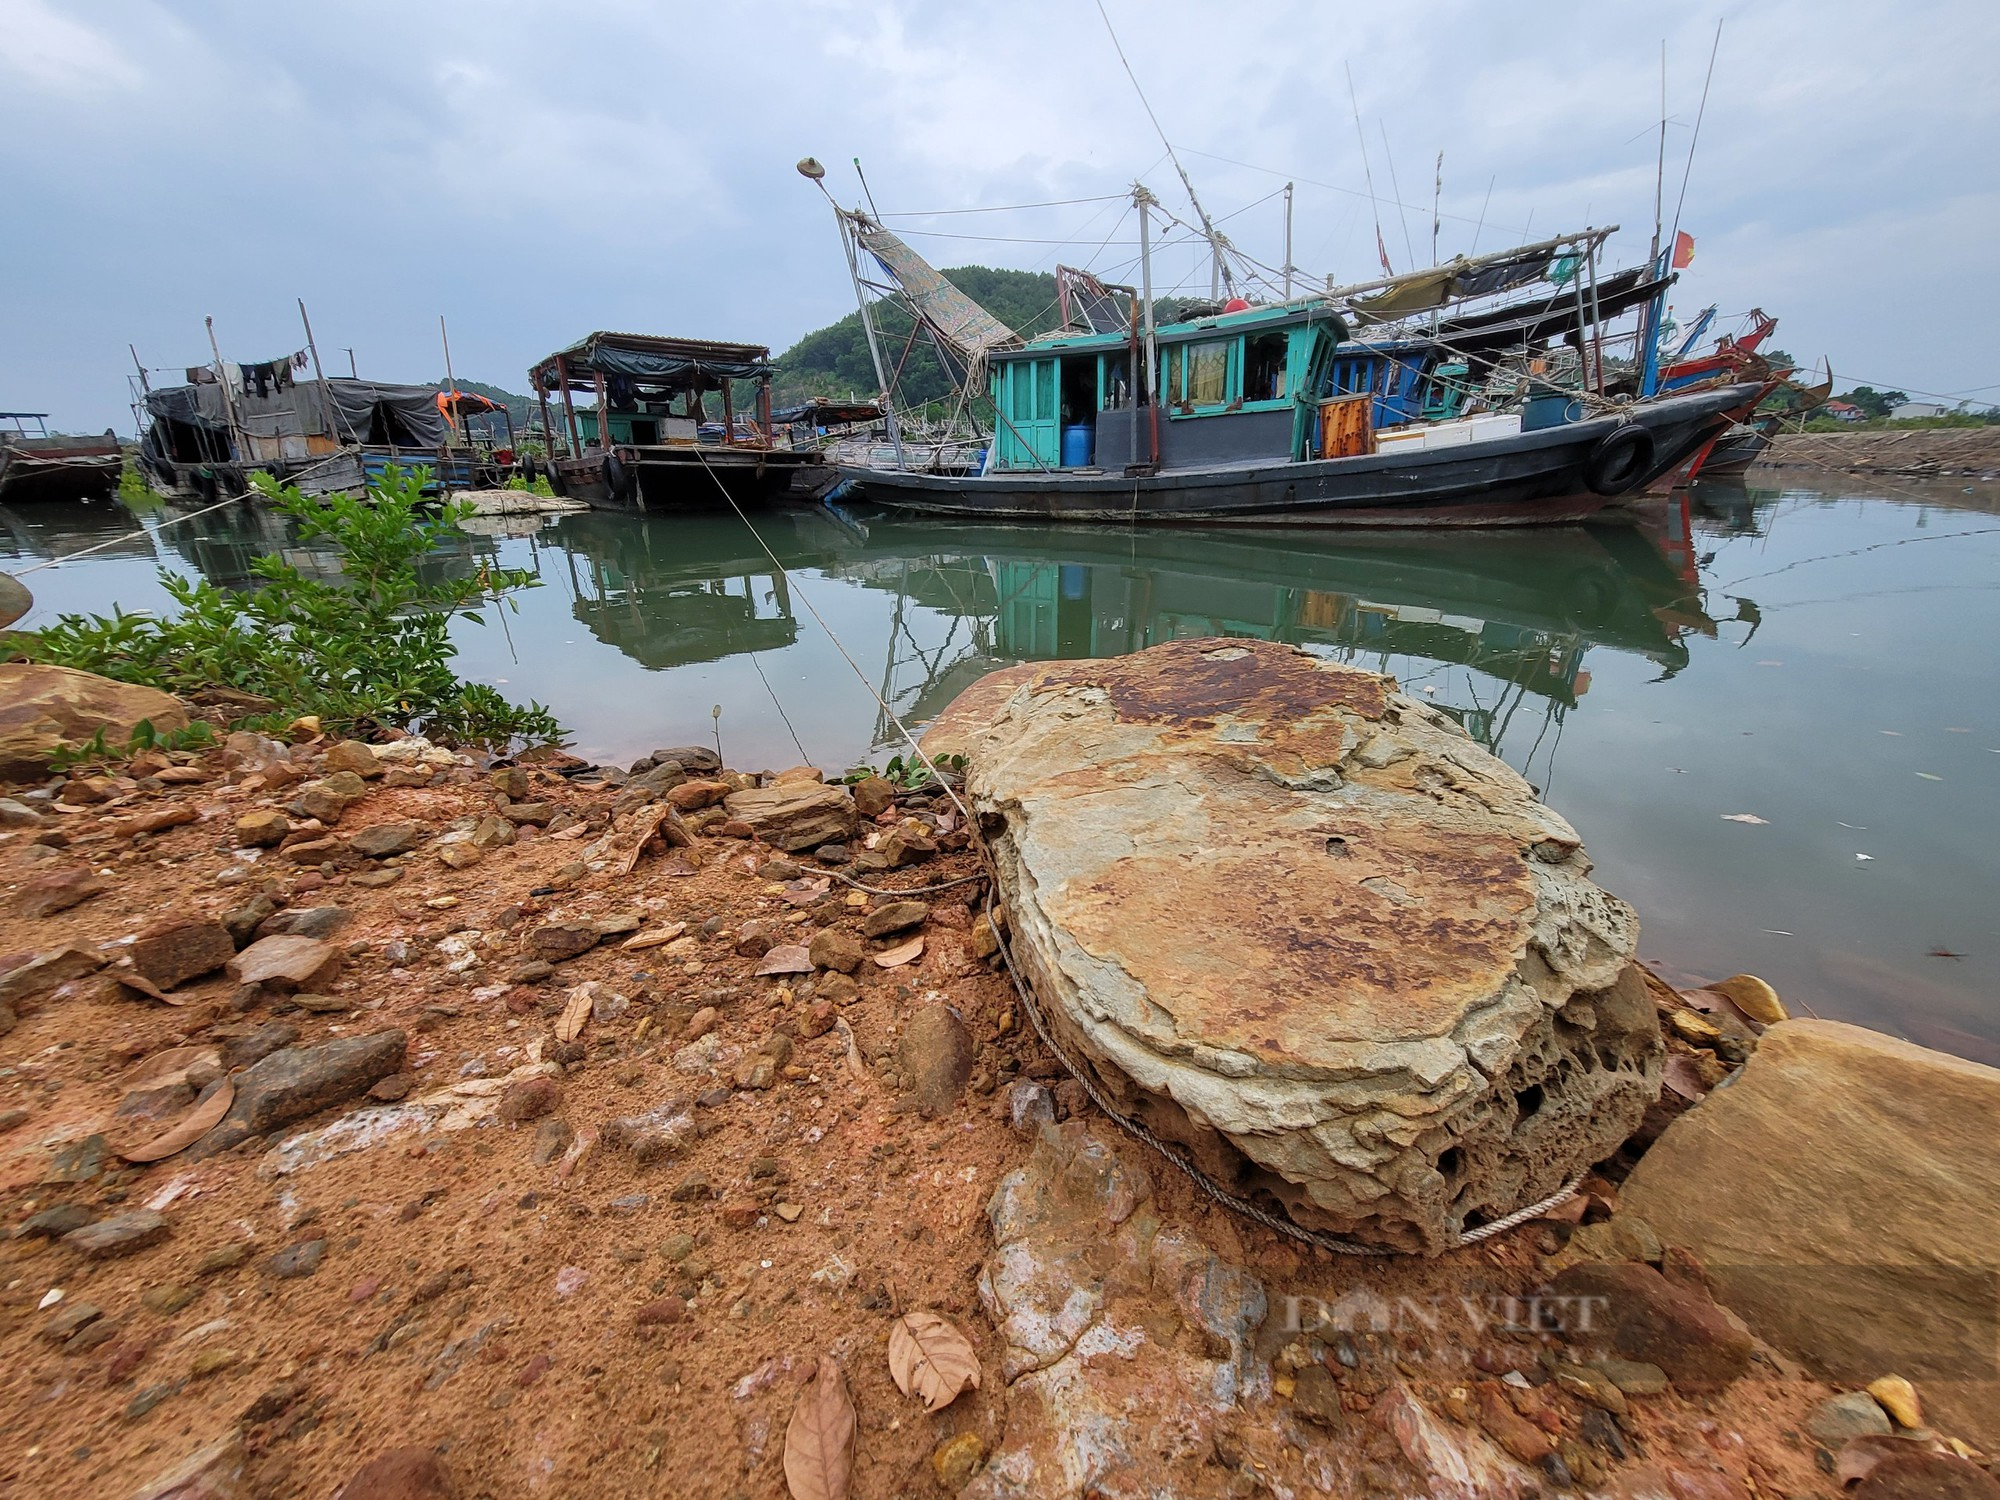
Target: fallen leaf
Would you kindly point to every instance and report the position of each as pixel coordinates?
(1683, 1077)
(647, 826)
(1858, 1456)
(931, 1359)
(656, 938)
(569, 1025)
(197, 1122)
(903, 953)
(171, 1066)
(786, 958)
(1743, 818)
(819, 1441)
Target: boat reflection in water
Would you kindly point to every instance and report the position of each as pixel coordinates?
(1520, 611)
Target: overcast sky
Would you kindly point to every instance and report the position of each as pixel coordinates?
(533, 172)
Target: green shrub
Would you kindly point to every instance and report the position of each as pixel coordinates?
(370, 652)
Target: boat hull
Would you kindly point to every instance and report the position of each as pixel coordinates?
(683, 478)
(46, 472)
(1531, 478)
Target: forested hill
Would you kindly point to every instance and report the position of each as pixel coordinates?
(833, 361)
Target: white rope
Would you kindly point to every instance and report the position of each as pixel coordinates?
(129, 536)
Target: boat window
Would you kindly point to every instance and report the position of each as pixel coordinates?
(645, 431)
(1116, 383)
(1264, 366)
(1198, 374)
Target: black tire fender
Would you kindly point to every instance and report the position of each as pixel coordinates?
(1620, 460)
(525, 467)
(558, 482)
(617, 478)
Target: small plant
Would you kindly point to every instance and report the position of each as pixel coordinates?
(98, 751)
(537, 486)
(909, 775)
(132, 486)
(371, 652)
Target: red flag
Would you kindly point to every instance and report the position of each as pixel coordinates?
(1683, 249)
(1383, 251)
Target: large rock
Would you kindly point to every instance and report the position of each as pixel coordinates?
(795, 814)
(298, 1081)
(44, 709)
(1303, 924)
(1841, 1193)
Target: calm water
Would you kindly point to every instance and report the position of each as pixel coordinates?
(1822, 659)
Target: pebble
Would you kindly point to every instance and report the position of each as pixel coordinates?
(677, 1247)
(401, 1474)
(529, 1099)
(1029, 1107)
(223, 1258)
(168, 1299)
(1593, 1386)
(563, 940)
(121, 1234)
(662, 1311)
(897, 916)
(1633, 1377)
(1899, 1399)
(552, 1138)
(295, 1261)
(214, 1362)
(935, 1054)
(151, 1397)
(262, 829)
(1851, 1414)
(957, 1459)
(69, 1319)
(54, 1223)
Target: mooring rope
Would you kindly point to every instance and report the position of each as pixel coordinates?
(1175, 1154)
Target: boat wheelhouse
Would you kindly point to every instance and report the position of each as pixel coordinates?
(650, 439)
(36, 464)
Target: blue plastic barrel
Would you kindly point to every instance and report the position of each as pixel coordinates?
(1549, 406)
(1077, 443)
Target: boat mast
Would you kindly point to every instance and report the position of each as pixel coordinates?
(813, 172)
(228, 398)
(1144, 200)
(319, 375)
(1288, 242)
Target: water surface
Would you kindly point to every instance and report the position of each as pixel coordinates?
(1819, 657)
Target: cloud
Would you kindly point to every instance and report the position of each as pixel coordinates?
(533, 175)
(53, 53)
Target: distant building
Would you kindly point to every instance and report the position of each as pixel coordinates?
(1844, 411)
(1911, 409)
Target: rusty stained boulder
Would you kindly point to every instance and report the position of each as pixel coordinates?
(44, 709)
(798, 814)
(1303, 924)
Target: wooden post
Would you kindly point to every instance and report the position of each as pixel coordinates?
(325, 393)
(728, 415)
(603, 414)
(569, 407)
(542, 399)
(228, 397)
(764, 410)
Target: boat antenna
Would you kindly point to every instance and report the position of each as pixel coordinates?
(1219, 265)
(866, 191)
(1660, 168)
(1696, 140)
(1437, 204)
(1402, 209)
(1374, 207)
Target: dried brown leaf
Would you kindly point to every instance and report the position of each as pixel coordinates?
(819, 1442)
(1858, 1456)
(931, 1359)
(576, 1010)
(197, 1122)
(1683, 1077)
(902, 953)
(171, 1066)
(786, 958)
(657, 938)
(647, 825)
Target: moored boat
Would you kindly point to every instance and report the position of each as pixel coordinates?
(39, 465)
(649, 440)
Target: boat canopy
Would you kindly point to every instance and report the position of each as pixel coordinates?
(666, 365)
(191, 423)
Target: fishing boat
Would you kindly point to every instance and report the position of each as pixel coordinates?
(36, 464)
(1325, 409)
(649, 441)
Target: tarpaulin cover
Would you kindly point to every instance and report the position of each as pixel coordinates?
(364, 411)
(674, 364)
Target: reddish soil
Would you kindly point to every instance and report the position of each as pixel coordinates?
(473, 1301)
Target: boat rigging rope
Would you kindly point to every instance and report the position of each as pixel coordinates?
(1175, 1154)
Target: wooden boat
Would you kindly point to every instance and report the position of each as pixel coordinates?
(648, 442)
(1285, 413)
(40, 465)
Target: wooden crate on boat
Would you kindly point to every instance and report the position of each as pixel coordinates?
(1347, 426)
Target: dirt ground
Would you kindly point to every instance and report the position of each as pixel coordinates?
(480, 1289)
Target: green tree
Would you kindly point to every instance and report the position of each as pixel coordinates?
(1874, 403)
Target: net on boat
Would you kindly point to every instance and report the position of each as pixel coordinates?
(967, 328)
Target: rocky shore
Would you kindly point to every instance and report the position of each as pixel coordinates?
(1918, 451)
(379, 1121)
